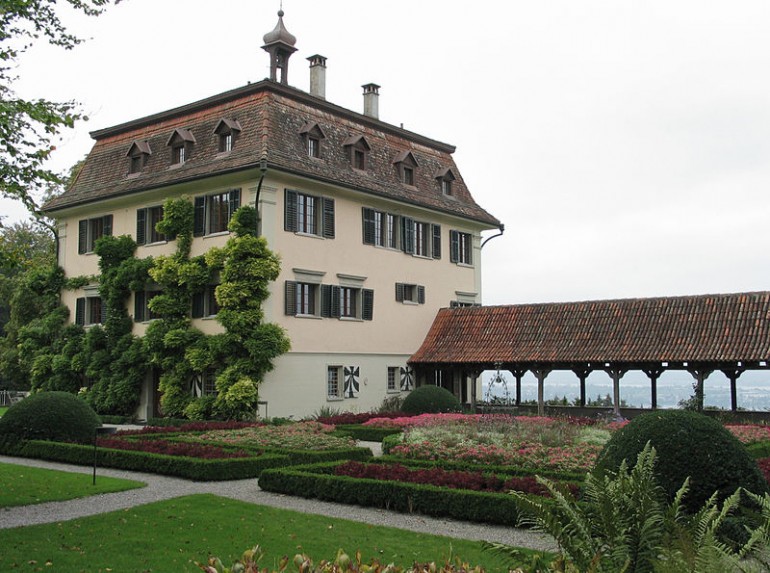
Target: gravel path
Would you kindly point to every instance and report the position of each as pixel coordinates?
(162, 487)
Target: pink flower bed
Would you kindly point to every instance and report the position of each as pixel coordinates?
(748, 434)
(578, 457)
(471, 419)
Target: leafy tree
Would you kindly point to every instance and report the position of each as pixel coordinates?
(29, 128)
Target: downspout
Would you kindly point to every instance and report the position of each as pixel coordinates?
(263, 170)
(502, 230)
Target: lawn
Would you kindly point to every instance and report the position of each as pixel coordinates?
(23, 485)
(172, 535)
(3, 410)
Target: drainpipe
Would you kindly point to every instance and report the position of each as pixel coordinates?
(263, 170)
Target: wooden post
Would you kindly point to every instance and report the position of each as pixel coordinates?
(582, 374)
(653, 373)
(616, 373)
(733, 374)
(700, 373)
(518, 374)
(541, 373)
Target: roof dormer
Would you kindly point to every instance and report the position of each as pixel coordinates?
(312, 135)
(406, 165)
(445, 177)
(181, 143)
(227, 130)
(358, 151)
(138, 155)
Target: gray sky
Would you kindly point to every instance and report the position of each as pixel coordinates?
(624, 144)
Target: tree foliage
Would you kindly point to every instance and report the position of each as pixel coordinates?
(29, 128)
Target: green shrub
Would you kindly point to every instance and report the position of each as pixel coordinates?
(56, 416)
(365, 433)
(430, 400)
(388, 442)
(200, 409)
(688, 445)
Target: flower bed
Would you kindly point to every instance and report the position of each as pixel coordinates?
(172, 448)
(356, 418)
(749, 434)
(472, 480)
(300, 436)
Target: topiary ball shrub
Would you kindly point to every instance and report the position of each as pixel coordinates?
(55, 416)
(430, 400)
(688, 444)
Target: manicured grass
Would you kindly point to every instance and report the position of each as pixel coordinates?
(23, 485)
(172, 535)
(3, 410)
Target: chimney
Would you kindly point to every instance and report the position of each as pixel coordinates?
(317, 76)
(371, 100)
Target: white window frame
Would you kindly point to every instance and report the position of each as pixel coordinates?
(335, 383)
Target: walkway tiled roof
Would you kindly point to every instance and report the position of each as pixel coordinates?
(706, 328)
(271, 117)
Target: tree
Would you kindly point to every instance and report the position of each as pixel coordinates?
(28, 128)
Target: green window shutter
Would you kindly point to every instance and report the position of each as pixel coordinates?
(141, 226)
(436, 250)
(407, 233)
(140, 303)
(199, 217)
(367, 304)
(454, 246)
(328, 218)
(82, 236)
(107, 221)
(80, 311)
(399, 292)
(368, 225)
(290, 211)
(421, 294)
(290, 294)
(335, 302)
(198, 305)
(326, 301)
(235, 201)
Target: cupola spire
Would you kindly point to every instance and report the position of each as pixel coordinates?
(279, 43)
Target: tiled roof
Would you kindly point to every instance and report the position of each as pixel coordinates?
(271, 117)
(707, 328)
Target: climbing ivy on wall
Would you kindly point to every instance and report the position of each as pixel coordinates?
(108, 364)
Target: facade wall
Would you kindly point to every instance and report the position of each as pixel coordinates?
(298, 385)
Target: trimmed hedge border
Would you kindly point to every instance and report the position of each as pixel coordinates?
(185, 467)
(365, 433)
(117, 420)
(759, 450)
(316, 481)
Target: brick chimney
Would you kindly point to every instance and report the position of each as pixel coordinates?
(371, 100)
(317, 76)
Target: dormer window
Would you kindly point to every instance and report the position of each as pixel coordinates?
(312, 136)
(138, 155)
(181, 143)
(445, 179)
(406, 166)
(227, 131)
(358, 150)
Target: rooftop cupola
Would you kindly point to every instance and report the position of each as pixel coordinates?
(279, 43)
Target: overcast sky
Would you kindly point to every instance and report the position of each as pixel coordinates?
(624, 144)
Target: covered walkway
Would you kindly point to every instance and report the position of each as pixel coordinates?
(702, 334)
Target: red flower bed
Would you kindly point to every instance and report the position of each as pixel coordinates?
(351, 418)
(165, 447)
(190, 427)
(476, 481)
(764, 467)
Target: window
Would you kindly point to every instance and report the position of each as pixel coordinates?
(408, 176)
(328, 301)
(213, 212)
(138, 155)
(406, 164)
(445, 178)
(461, 248)
(90, 230)
(358, 151)
(204, 303)
(146, 220)
(410, 293)
(226, 131)
(88, 311)
(333, 386)
(392, 385)
(301, 298)
(420, 238)
(203, 384)
(181, 143)
(308, 214)
(312, 135)
(380, 228)
(462, 304)
(142, 312)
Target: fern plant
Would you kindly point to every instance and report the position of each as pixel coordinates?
(625, 524)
